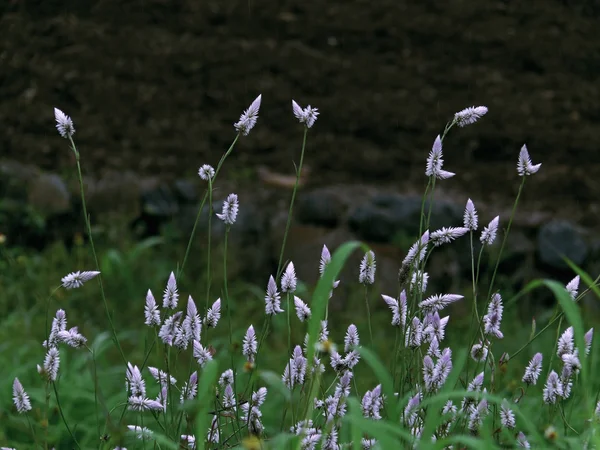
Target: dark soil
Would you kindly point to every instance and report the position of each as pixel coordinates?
(156, 85)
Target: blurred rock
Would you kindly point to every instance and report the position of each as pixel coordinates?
(385, 215)
(560, 238)
(325, 207)
(49, 195)
(160, 200)
(115, 194)
(187, 191)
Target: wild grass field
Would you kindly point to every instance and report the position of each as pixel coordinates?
(117, 343)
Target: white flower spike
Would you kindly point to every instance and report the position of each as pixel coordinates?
(64, 124)
(249, 117)
(307, 116)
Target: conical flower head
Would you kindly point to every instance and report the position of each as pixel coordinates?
(249, 117)
(435, 162)
(250, 346)
(289, 280)
(572, 287)
(76, 279)
(488, 235)
(470, 217)
(151, 313)
(524, 166)
(272, 299)
(230, 209)
(446, 235)
(469, 115)
(367, 268)
(64, 124)
(533, 370)
(20, 397)
(170, 295)
(307, 116)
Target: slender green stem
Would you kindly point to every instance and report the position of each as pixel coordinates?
(193, 233)
(289, 324)
(62, 415)
(32, 430)
(89, 232)
(369, 315)
(209, 241)
(289, 218)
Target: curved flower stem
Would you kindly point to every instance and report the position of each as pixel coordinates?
(193, 233)
(89, 232)
(289, 218)
(63, 415)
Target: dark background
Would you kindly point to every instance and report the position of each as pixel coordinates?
(155, 86)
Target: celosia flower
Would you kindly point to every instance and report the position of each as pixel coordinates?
(213, 314)
(302, 310)
(367, 269)
(417, 251)
(410, 411)
(72, 338)
(59, 323)
(76, 279)
(51, 364)
(141, 433)
(230, 209)
(272, 299)
(307, 116)
(533, 370)
(493, 318)
(588, 340)
(507, 417)
(438, 302)
(226, 378)
(64, 124)
(168, 330)
(206, 172)
(170, 295)
(479, 352)
(371, 404)
(446, 235)
(213, 434)
(488, 235)
(475, 385)
(20, 397)
(201, 354)
(161, 377)
(250, 345)
(139, 403)
(414, 334)
(571, 361)
(572, 287)
(435, 162)
(552, 389)
(249, 117)
(190, 389)
(351, 339)
(522, 440)
(470, 220)
(565, 343)
(469, 115)
(288, 280)
(442, 369)
(151, 313)
(229, 397)
(136, 386)
(419, 281)
(524, 166)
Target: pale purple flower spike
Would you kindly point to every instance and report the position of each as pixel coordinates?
(289, 280)
(470, 115)
(572, 287)
(470, 217)
(302, 309)
(435, 162)
(76, 279)
(170, 295)
(307, 116)
(533, 370)
(64, 124)
(20, 397)
(250, 346)
(272, 299)
(507, 417)
(446, 235)
(488, 235)
(367, 268)
(438, 302)
(151, 313)
(230, 209)
(249, 117)
(524, 166)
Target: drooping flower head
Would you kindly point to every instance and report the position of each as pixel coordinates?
(435, 162)
(367, 268)
(307, 116)
(206, 172)
(64, 124)
(76, 279)
(438, 302)
(470, 115)
(230, 209)
(249, 117)
(446, 235)
(524, 166)
(488, 235)
(470, 218)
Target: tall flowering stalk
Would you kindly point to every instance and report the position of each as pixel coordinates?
(306, 116)
(66, 129)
